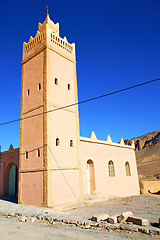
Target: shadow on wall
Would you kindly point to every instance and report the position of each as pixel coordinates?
(156, 193)
(149, 186)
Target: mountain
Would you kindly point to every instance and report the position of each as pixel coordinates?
(147, 149)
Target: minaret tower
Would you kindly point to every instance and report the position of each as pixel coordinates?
(49, 167)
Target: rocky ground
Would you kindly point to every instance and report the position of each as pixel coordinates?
(10, 229)
(144, 206)
(75, 223)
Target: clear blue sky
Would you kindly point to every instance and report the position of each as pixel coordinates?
(117, 45)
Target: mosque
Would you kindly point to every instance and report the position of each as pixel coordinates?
(54, 165)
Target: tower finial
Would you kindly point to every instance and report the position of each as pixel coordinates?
(47, 10)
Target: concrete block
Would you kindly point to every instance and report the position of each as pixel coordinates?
(123, 217)
(138, 221)
(112, 219)
(100, 217)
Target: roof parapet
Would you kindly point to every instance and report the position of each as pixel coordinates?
(133, 144)
(93, 136)
(121, 141)
(108, 139)
(51, 24)
(11, 148)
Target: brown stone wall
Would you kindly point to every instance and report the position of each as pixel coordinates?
(147, 187)
(7, 159)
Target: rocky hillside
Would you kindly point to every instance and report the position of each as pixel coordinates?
(147, 153)
(147, 140)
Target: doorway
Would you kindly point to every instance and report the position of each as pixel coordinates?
(90, 177)
(12, 180)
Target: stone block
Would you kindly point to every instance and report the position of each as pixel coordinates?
(113, 227)
(112, 219)
(125, 227)
(100, 217)
(123, 217)
(153, 232)
(134, 229)
(138, 221)
(22, 219)
(73, 222)
(33, 219)
(87, 227)
(79, 222)
(94, 224)
(146, 231)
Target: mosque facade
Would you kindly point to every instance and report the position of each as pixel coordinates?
(54, 165)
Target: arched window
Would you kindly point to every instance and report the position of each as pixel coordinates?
(26, 155)
(128, 171)
(38, 152)
(57, 142)
(56, 81)
(91, 177)
(39, 87)
(111, 169)
(28, 92)
(71, 143)
(69, 87)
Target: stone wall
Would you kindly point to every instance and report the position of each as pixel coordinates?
(147, 187)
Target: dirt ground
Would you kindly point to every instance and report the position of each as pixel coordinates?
(145, 206)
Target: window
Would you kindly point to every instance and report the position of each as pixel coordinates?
(39, 87)
(71, 143)
(128, 171)
(28, 92)
(38, 152)
(111, 169)
(57, 142)
(69, 87)
(56, 81)
(26, 155)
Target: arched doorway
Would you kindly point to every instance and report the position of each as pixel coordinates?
(90, 177)
(12, 180)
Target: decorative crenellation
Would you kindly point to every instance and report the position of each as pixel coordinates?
(108, 141)
(93, 136)
(48, 32)
(61, 42)
(40, 37)
(122, 141)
